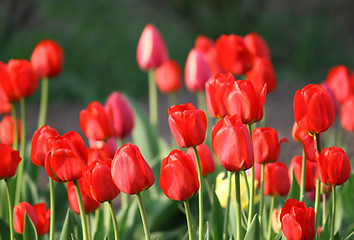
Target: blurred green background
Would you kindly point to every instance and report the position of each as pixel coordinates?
(99, 37)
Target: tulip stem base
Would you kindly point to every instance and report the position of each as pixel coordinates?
(251, 199)
(114, 220)
(82, 210)
(153, 99)
(44, 102)
(227, 209)
(52, 209)
(189, 220)
(14, 118)
(238, 206)
(333, 211)
(11, 224)
(200, 193)
(270, 218)
(143, 217)
(303, 175)
(261, 203)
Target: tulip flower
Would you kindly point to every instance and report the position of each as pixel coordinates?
(276, 179)
(242, 99)
(168, 77)
(206, 158)
(9, 161)
(256, 45)
(331, 94)
(233, 54)
(313, 109)
(90, 204)
(262, 73)
(5, 85)
(43, 216)
(7, 130)
(214, 92)
(151, 51)
(298, 133)
(100, 150)
(338, 80)
(310, 175)
(297, 221)
(347, 113)
(130, 172)
(47, 58)
(276, 224)
(188, 124)
(94, 122)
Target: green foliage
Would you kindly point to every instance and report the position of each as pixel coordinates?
(29, 230)
(68, 227)
(253, 233)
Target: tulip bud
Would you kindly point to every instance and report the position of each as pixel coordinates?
(168, 77)
(310, 174)
(7, 130)
(206, 158)
(347, 113)
(90, 204)
(262, 73)
(338, 80)
(276, 179)
(9, 161)
(256, 45)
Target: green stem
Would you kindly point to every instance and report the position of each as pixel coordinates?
(264, 121)
(244, 174)
(238, 206)
(114, 220)
(14, 119)
(52, 209)
(208, 188)
(318, 184)
(143, 216)
(251, 200)
(44, 102)
(82, 210)
(153, 99)
(261, 203)
(270, 217)
(333, 211)
(189, 219)
(201, 210)
(227, 209)
(10, 210)
(324, 206)
(88, 221)
(303, 175)
(340, 131)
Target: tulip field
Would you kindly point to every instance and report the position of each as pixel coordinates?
(216, 174)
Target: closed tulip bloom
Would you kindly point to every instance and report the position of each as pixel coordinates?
(310, 149)
(5, 106)
(94, 122)
(338, 80)
(168, 77)
(298, 133)
(196, 71)
(310, 175)
(47, 58)
(39, 144)
(242, 99)
(43, 216)
(100, 150)
(66, 157)
(188, 124)
(276, 179)
(206, 158)
(232, 144)
(331, 94)
(233, 54)
(297, 221)
(256, 45)
(90, 204)
(347, 113)
(262, 73)
(9, 161)
(179, 176)
(215, 89)
(313, 109)
(151, 51)
(19, 214)
(333, 166)
(120, 113)
(7, 130)
(130, 172)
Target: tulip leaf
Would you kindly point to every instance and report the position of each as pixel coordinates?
(4, 230)
(294, 189)
(253, 231)
(325, 230)
(100, 226)
(32, 194)
(217, 217)
(68, 227)
(29, 230)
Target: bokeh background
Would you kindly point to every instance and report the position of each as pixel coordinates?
(100, 37)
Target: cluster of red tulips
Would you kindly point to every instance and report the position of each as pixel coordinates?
(247, 150)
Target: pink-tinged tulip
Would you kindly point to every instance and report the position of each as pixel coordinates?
(19, 214)
(168, 77)
(313, 109)
(94, 122)
(90, 205)
(276, 179)
(265, 145)
(43, 216)
(276, 224)
(347, 113)
(338, 80)
(256, 45)
(130, 172)
(232, 144)
(215, 89)
(9, 161)
(196, 71)
(47, 58)
(7, 130)
(39, 144)
(242, 99)
(233, 54)
(206, 158)
(297, 221)
(188, 124)
(262, 73)
(179, 176)
(66, 157)
(151, 51)
(99, 180)
(298, 133)
(120, 114)
(310, 175)
(333, 166)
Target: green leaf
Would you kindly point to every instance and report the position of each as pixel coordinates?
(4, 230)
(326, 230)
(217, 217)
(349, 236)
(100, 229)
(294, 189)
(253, 231)
(68, 227)
(29, 230)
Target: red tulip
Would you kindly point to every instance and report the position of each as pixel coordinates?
(338, 80)
(233, 54)
(298, 133)
(47, 58)
(310, 149)
(39, 143)
(120, 114)
(313, 109)
(94, 122)
(179, 176)
(5, 106)
(100, 150)
(43, 216)
(66, 157)
(297, 221)
(347, 113)
(214, 92)
(7, 130)
(100, 184)
(276, 179)
(168, 77)
(196, 71)
(256, 45)
(232, 144)
(130, 172)
(90, 205)
(242, 99)
(262, 73)
(187, 124)
(265, 145)
(333, 97)
(206, 158)
(151, 51)
(333, 166)
(19, 213)
(9, 161)
(310, 174)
